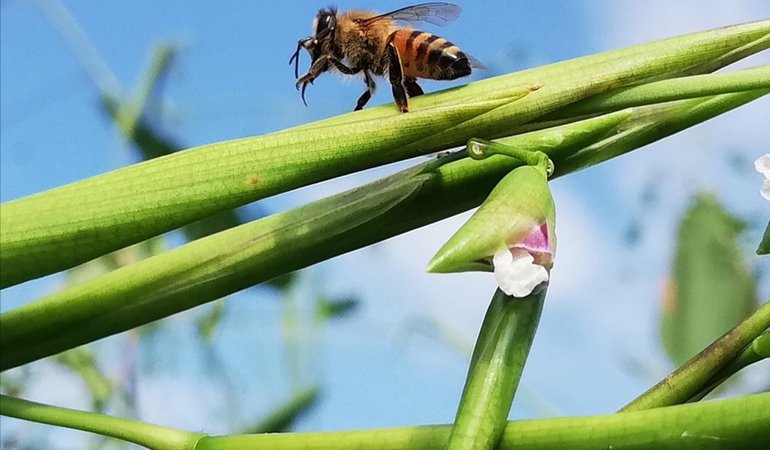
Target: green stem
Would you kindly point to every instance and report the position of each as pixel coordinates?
(669, 90)
(223, 263)
(734, 424)
(55, 230)
(758, 350)
(689, 379)
(741, 423)
(482, 148)
(498, 359)
(141, 433)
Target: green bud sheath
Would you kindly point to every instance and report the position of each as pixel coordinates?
(521, 202)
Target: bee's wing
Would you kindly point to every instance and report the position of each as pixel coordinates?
(436, 13)
(475, 63)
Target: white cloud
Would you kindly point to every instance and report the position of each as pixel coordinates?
(632, 22)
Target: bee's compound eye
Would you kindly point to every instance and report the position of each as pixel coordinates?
(325, 20)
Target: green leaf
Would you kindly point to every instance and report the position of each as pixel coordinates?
(282, 418)
(81, 361)
(208, 324)
(333, 308)
(711, 288)
(764, 246)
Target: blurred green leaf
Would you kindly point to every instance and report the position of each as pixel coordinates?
(115, 260)
(333, 308)
(13, 383)
(208, 324)
(81, 361)
(282, 418)
(711, 288)
(282, 282)
(764, 246)
(130, 119)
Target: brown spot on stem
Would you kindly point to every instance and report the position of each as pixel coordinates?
(252, 180)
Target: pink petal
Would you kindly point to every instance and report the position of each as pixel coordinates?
(537, 241)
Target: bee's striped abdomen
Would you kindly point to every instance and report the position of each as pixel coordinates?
(425, 55)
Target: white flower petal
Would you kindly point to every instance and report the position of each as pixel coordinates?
(516, 273)
(762, 164)
(766, 190)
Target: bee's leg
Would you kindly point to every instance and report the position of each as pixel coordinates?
(412, 88)
(342, 67)
(370, 86)
(320, 66)
(396, 77)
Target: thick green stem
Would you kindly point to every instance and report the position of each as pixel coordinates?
(758, 350)
(695, 375)
(69, 225)
(141, 433)
(498, 359)
(669, 90)
(739, 423)
(229, 261)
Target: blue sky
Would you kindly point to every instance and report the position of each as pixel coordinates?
(232, 79)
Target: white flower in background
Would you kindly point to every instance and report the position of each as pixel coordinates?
(762, 164)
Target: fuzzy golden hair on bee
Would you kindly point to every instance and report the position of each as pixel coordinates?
(365, 43)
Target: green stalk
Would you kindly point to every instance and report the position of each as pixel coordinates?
(670, 90)
(63, 227)
(734, 424)
(697, 373)
(758, 350)
(741, 423)
(498, 359)
(226, 262)
(141, 433)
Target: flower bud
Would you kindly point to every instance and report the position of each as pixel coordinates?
(512, 233)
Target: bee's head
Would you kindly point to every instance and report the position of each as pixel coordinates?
(320, 43)
(324, 23)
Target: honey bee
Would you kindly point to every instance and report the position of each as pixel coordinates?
(363, 42)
